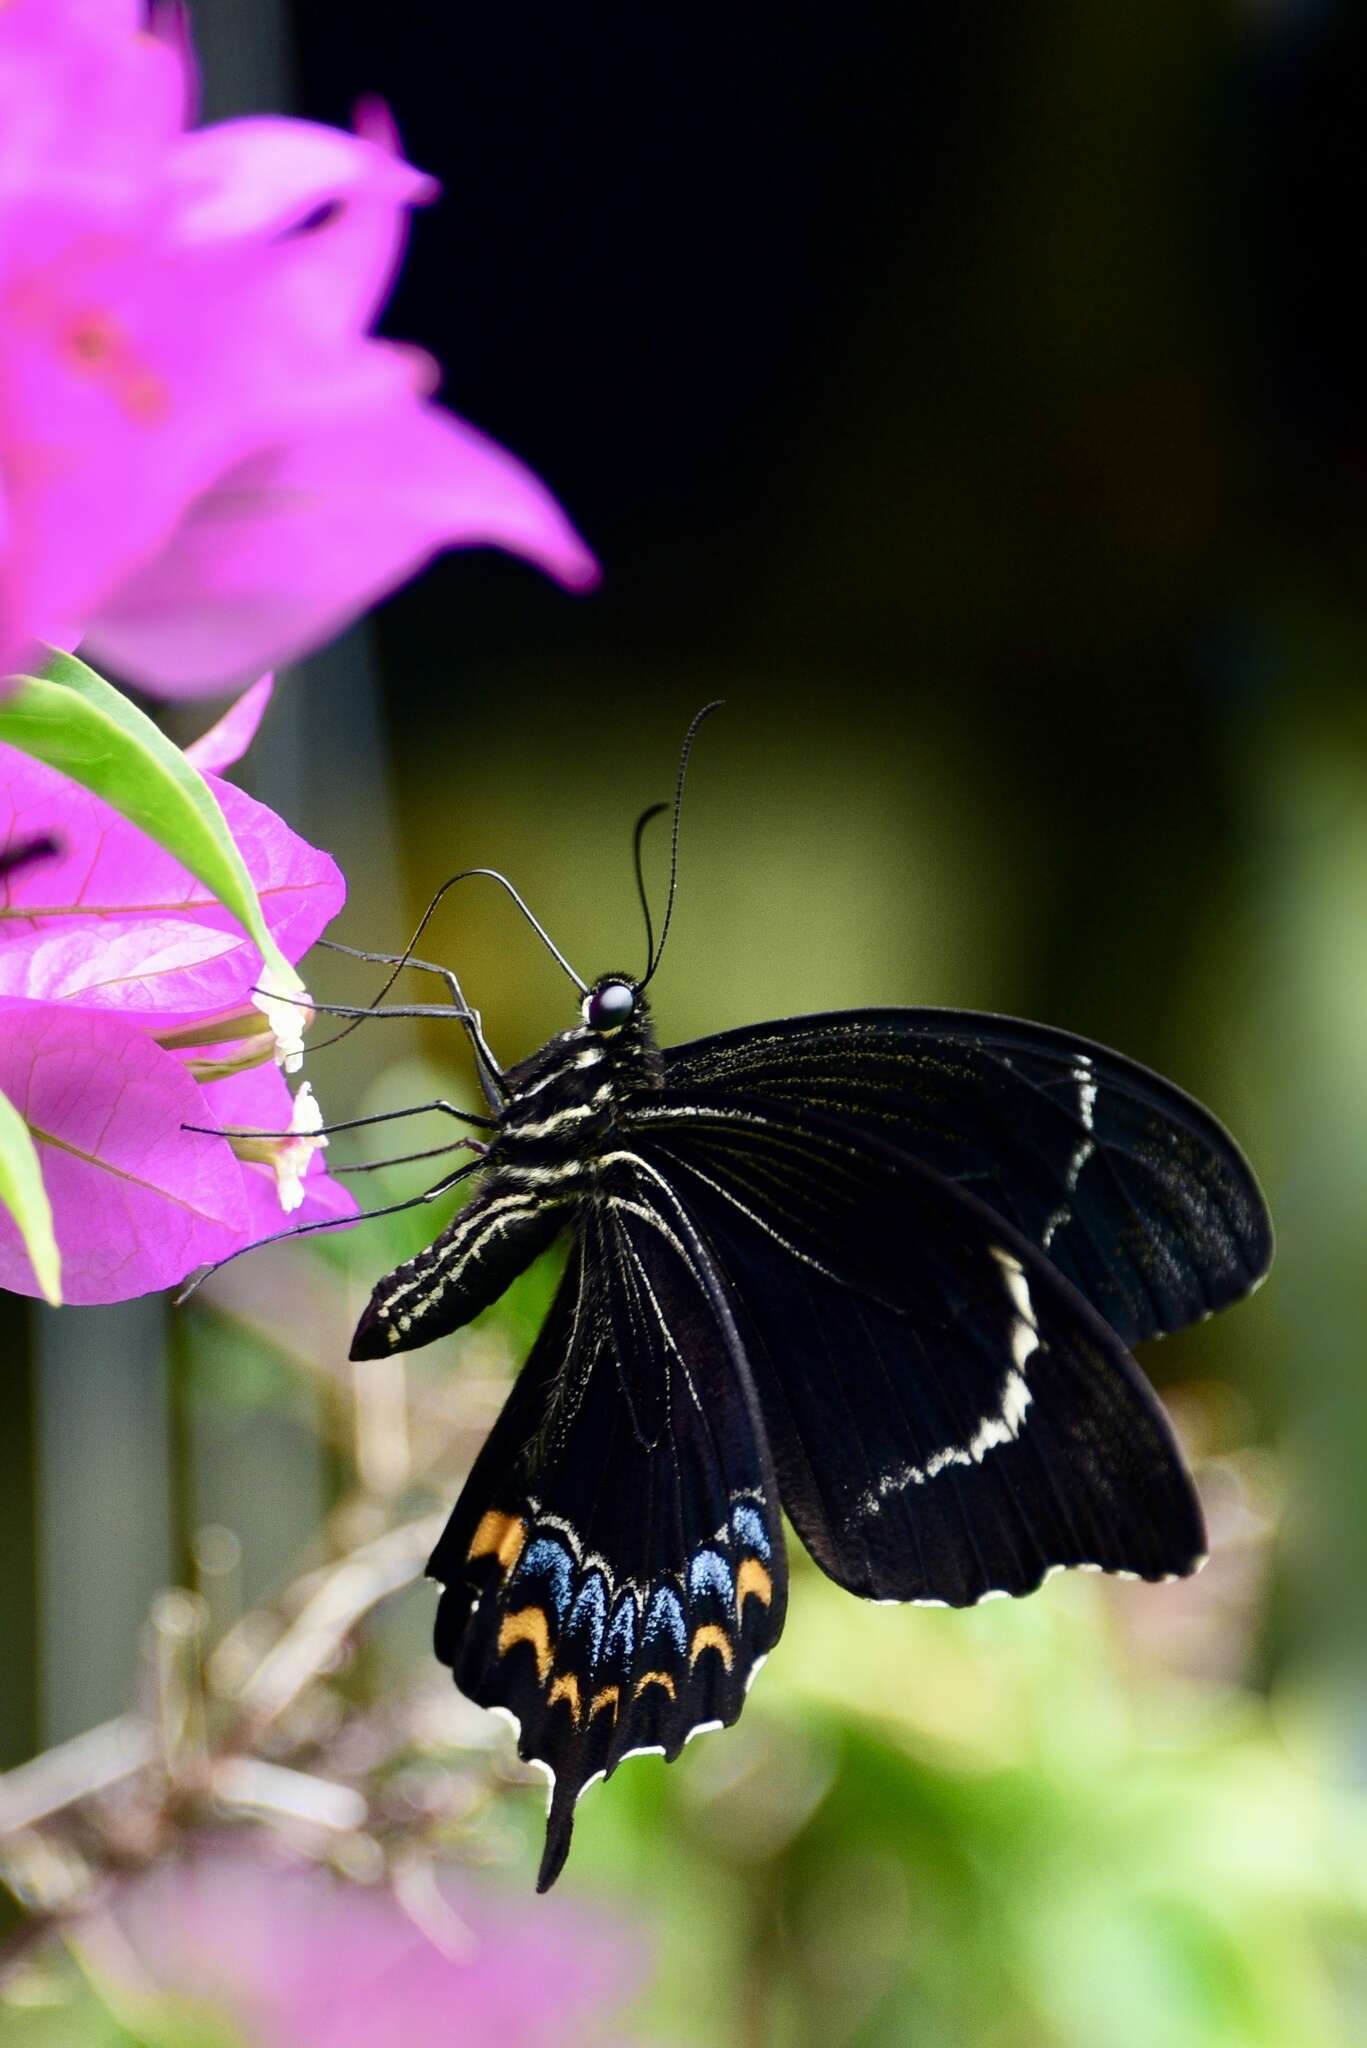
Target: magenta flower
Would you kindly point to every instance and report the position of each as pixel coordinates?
(299, 1960)
(127, 1012)
(207, 463)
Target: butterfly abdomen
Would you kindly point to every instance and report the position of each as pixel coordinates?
(493, 1239)
(554, 1125)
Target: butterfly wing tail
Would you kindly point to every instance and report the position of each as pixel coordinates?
(614, 1568)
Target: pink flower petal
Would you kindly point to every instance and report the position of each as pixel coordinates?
(106, 426)
(264, 178)
(263, 175)
(295, 543)
(114, 922)
(373, 120)
(184, 361)
(226, 742)
(112, 18)
(87, 101)
(138, 1201)
(163, 333)
(155, 972)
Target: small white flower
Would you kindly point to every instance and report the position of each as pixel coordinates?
(287, 1153)
(291, 1155)
(285, 1006)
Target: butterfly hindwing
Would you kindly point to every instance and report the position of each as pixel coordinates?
(614, 1568)
(948, 1417)
(1134, 1190)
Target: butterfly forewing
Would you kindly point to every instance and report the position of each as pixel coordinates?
(614, 1567)
(1134, 1190)
(948, 1417)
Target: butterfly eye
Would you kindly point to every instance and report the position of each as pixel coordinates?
(609, 1007)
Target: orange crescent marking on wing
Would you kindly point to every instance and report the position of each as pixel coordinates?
(653, 1678)
(752, 1578)
(608, 1697)
(566, 1687)
(709, 1637)
(528, 1625)
(500, 1536)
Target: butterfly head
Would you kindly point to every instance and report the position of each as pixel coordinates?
(613, 1002)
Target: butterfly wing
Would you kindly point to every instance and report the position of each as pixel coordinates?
(614, 1568)
(948, 1417)
(1134, 1190)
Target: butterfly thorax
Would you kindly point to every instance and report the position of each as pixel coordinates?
(555, 1132)
(562, 1102)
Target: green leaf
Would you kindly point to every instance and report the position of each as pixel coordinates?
(23, 1194)
(76, 722)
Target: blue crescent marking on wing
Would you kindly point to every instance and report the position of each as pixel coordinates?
(590, 1608)
(748, 1524)
(623, 1629)
(709, 1571)
(666, 1618)
(546, 1555)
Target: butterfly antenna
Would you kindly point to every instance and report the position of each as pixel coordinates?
(407, 957)
(684, 753)
(547, 941)
(641, 823)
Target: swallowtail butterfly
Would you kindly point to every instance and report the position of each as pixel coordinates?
(879, 1269)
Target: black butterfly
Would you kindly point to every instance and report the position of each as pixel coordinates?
(879, 1269)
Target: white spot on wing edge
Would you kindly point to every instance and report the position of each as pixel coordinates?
(537, 1763)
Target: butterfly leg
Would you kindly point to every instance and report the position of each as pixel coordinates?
(440, 1187)
(409, 1158)
(488, 1066)
(358, 1123)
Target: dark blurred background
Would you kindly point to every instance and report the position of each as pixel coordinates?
(974, 399)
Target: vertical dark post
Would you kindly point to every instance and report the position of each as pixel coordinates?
(18, 1548)
(103, 1518)
(18, 1572)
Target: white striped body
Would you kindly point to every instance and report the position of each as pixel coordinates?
(542, 1165)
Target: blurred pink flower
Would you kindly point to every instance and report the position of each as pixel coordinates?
(207, 463)
(300, 1960)
(127, 1012)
